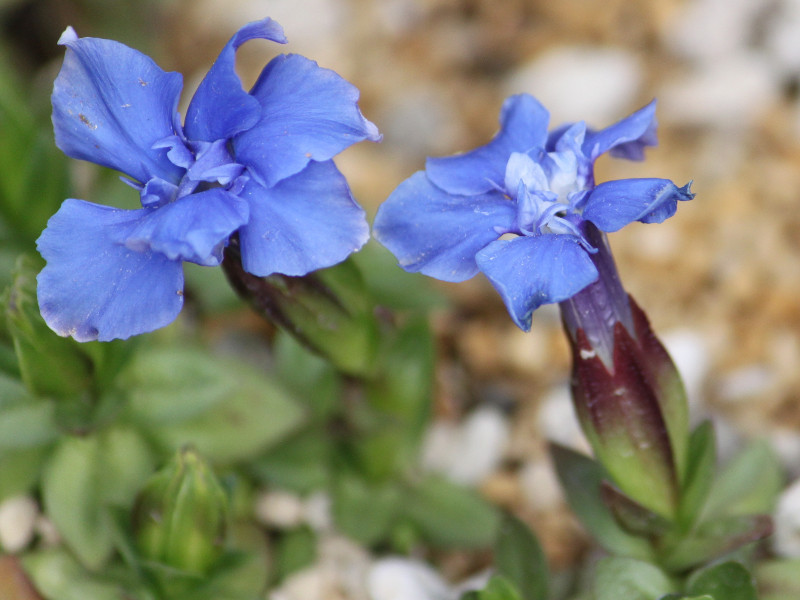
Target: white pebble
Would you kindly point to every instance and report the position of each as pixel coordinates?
(406, 579)
(557, 421)
(540, 486)
(786, 539)
(469, 452)
(317, 511)
(745, 383)
(279, 509)
(689, 352)
(729, 94)
(595, 84)
(17, 519)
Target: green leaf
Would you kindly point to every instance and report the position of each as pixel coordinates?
(520, 558)
(365, 512)
(632, 516)
(295, 550)
(71, 490)
(20, 470)
(715, 538)
(226, 409)
(58, 576)
(300, 463)
(581, 477)
(498, 588)
(27, 425)
(748, 484)
(726, 581)
(701, 462)
(447, 514)
(629, 579)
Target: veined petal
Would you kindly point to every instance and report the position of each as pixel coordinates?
(626, 138)
(93, 288)
(221, 108)
(437, 233)
(111, 104)
(307, 113)
(194, 228)
(305, 222)
(614, 204)
(531, 271)
(521, 169)
(523, 127)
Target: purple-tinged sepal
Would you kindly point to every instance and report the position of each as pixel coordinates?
(627, 393)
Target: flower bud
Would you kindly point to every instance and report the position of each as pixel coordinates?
(179, 518)
(627, 393)
(327, 310)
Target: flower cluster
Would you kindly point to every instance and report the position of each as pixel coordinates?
(254, 163)
(517, 209)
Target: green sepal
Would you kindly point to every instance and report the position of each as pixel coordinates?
(723, 581)
(618, 578)
(518, 556)
(497, 588)
(581, 478)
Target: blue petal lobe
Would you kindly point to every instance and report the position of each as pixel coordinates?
(96, 289)
(531, 271)
(111, 104)
(523, 127)
(305, 222)
(221, 108)
(614, 204)
(194, 228)
(307, 113)
(437, 233)
(626, 138)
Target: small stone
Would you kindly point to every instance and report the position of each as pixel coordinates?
(317, 511)
(557, 421)
(17, 519)
(540, 485)
(745, 383)
(786, 538)
(581, 83)
(406, 579)
(279, 509)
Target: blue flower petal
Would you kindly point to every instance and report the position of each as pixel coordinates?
(221, 108)
(111, 104)
(523, 127)
(194, 228)
(614, 204)
(307, 113)
(531, 271)
(626, 138)
(305, 222)
(96, 289)
(438, 234)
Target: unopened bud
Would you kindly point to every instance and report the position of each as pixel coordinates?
(179, 518)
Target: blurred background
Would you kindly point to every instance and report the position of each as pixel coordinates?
(720, 280)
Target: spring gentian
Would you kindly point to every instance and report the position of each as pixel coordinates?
(255, 163)
(518, 208)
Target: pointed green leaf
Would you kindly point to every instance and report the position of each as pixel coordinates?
(581, 478)
(748, 484)
(629, 579)
(727, 581)
(363, 511)
(447, 514)
(701, 462)
(520, 558)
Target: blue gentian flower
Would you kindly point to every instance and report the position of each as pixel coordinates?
(516, 209)
(255, 163)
